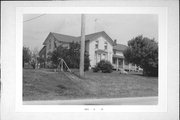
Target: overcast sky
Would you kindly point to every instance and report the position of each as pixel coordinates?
(122, 27)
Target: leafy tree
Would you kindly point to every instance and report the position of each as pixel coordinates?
(71, 55)
(34, 58)
(33, 63)
(143, 52)
(26, 55)
(41, 60)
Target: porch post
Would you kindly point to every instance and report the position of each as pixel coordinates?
(123, 64)
(95, 58)
(117, 63)
(61, 65)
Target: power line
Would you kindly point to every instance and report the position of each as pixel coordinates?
(34, 18)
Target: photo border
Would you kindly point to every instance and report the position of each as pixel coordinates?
(162, 41)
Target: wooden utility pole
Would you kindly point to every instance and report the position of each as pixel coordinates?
(82, 45)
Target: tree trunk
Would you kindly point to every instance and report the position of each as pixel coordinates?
(144, 72)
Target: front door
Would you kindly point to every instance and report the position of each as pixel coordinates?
(104, 56)
(98, 57)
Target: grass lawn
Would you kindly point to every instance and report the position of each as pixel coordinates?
(46, 85)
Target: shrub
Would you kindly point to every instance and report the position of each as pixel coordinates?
(104, 66)
(95, 69)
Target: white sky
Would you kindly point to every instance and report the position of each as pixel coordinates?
(122, 27)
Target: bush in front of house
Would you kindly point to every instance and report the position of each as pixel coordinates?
(103, 66)
(96, 69)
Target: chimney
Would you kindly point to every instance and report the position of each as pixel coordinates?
(115, 42)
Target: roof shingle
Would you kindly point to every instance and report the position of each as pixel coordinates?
(120, 47)
(68, 38)
(64, 38)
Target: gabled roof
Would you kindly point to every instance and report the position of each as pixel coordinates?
(60, 37)
(119, 47)
(68, 38)
(95, 35)
(64, 38)
(42, 50)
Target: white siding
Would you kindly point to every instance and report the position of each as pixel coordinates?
(119, 53)
(92, 53)
(92, 50)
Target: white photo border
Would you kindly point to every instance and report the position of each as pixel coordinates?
(162, 41)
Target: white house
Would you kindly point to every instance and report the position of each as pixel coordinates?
(99, 46)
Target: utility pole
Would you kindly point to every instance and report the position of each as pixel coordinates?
(82, 45)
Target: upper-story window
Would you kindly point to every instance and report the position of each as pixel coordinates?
(97, 44)
(49, 44)
(114, 52)
(105, 45)
(65, 45)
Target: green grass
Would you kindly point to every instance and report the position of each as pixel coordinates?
(47, 85)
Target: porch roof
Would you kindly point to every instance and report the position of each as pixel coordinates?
(100, 51)
(118, 56)
(119, 47)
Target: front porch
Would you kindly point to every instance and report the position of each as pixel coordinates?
(120, 64)
(100, 55)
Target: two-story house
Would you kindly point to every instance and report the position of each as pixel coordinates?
(99, 46)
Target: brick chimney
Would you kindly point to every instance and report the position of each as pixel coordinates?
(115, 42)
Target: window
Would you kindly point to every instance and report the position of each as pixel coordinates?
(97, 44)
(65, 45)
(105, 45)
(114, 61)
(49, 45)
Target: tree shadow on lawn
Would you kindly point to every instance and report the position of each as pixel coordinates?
(141, 74)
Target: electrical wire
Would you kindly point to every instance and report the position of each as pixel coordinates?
(34, 18)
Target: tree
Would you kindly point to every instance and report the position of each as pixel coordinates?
(143, 52)
(41, 60)
(34, 58)
(70, 55)
(26, 55)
